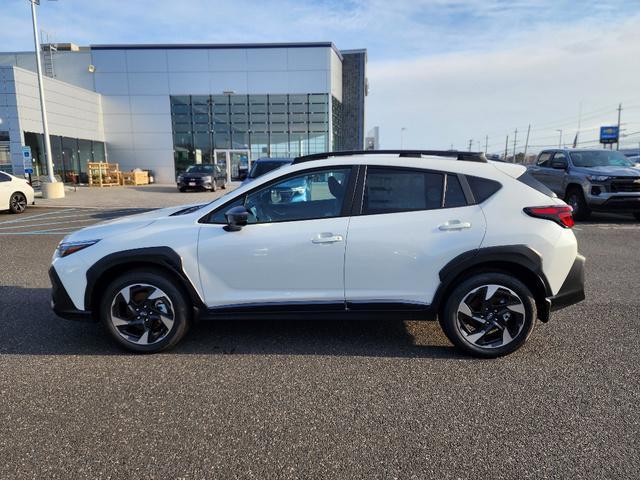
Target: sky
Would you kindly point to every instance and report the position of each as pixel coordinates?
(448, 72)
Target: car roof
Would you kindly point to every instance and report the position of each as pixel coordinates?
(273, 159)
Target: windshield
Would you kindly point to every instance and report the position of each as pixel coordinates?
(260, 168)
(599, 158)
(200, 169)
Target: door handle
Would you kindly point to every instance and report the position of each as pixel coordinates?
(326, 237)
(454, 225)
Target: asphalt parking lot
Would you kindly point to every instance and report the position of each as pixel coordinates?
(303, 399)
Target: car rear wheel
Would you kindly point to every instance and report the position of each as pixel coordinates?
(17, 203)
(575, 198)
(489, 315)
(145, 312)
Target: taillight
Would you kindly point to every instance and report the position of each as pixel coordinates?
(561, 214)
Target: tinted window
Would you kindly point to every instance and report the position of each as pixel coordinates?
(4, 177)
(529, 180)
(454, 195)
(318, 194)
(390, 190)
(260, 168)
(543, 159)
(200, 169)
(482, 188)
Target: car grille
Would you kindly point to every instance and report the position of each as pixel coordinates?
(626, 185)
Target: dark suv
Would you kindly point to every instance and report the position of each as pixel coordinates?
(202, 177)
(590, 180)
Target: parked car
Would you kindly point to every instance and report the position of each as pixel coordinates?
(15, 193)
(635, 160)
(203, 176)
(479, 245)
(590, 180)
(264, 165)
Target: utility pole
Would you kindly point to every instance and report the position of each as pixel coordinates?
(53, 189)
(506, 148)
(619, 115)
(486, 144)
(470, 144)
(515, 136)
(560, 141)
(526, 143)
(402, 129)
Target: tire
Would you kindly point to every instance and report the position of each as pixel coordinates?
(224, 185)
(466, 331)
(128, 323)
(17, 203)
(214, 186)
(575, 198)
(182, 189)
(637, 216)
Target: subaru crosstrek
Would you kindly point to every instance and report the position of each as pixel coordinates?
(588, 180)
(479, 245)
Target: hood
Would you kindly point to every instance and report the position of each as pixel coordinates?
(609, 171)
(197, 175)
(125, 224)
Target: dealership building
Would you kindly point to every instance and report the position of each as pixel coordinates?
(164, 107)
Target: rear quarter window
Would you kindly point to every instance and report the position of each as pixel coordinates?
(530, 181)
(482, 188)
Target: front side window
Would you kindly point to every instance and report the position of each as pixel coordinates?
(308, 196)
(389, 190)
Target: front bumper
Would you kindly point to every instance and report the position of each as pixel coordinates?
(572, 290)
(61, 302)
(197, 183)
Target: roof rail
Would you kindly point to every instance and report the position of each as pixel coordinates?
(465, 156)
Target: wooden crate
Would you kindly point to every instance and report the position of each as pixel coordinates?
(135, 178)
(103, 174)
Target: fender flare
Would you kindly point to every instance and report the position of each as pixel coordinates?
(164, 257)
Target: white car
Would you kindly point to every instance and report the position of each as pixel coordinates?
(479, 245)
(15, 193)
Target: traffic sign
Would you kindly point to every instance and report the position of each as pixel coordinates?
(27, 160)
(609, 134)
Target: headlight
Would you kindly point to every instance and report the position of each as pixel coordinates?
(67, 248)
(597, 178)
(179, 178)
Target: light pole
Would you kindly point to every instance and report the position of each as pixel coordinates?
(560, 141)
(53, 189)
(402, 129)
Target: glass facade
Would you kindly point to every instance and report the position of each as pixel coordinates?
(267, 125)
(70, 156)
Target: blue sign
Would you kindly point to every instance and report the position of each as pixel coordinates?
(609, 134)
(27, 160)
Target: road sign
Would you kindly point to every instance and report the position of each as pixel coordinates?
(609, 134)
(27, 160)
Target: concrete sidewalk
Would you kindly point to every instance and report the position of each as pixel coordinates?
(142, 196)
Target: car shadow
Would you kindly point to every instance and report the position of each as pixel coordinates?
(29, 327)
(597, 218)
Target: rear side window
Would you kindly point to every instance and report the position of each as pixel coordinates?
(482, 188)
(4, 177)
(530, 181)
(544, 159)
(454, 195)
(389, 190)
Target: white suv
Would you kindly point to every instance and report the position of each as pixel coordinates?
(479, 245)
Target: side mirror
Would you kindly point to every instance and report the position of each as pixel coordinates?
(559, 164)
(237, 217)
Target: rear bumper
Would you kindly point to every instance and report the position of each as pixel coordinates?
(61, 302)
(572, 290)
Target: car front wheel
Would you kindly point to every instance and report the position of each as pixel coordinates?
(17, 203)
(575, 198)
(489, 315)
(144, 311)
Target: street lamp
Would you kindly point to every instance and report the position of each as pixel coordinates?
(52, 189)
(560, 141)
(402, 129)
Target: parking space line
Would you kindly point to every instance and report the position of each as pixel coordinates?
(27, 218)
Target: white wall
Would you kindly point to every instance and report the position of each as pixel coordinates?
(72, 111)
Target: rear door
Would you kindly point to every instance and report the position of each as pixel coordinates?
(555, 176)
(412, 222)
(540, 170)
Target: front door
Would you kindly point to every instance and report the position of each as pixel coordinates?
(292, 250)
(407, 231)
(236, 163)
